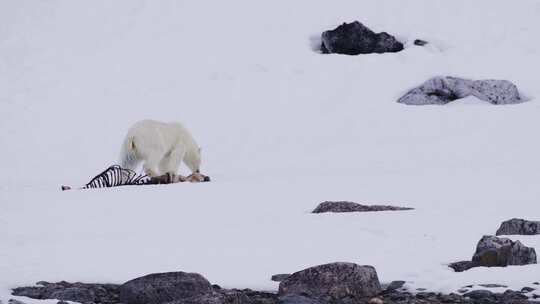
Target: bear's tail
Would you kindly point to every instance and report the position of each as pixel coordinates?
(128, 156)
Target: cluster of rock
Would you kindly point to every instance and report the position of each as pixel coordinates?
(355, 38)
(493, 251)
(171, 288)
(335, 283)
(465, 290)
(442, 90)
(343, 206)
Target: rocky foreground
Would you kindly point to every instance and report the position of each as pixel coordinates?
(335, 283)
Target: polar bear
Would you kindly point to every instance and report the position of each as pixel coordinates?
(161, 147)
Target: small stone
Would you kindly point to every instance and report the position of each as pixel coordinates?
(479, 294)
(420, 289)
(420, 42)
(461, 266)
(394, 285)
(527, 289)
(13, 301)
(535, 296)
(463, 290)
(376, 301)
(297, 299)
(280, 277)
(536, 283)
(400, 296)
(514, 295)
(450, 298)
(425, 295)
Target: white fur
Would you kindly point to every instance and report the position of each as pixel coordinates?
(161, 147)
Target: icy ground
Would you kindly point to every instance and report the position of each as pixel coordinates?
(282, 128)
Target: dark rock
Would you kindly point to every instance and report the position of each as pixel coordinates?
(209, 298)
(280, 277)
(247, 296)
(451, 298)
(62, 302)
(536, 283)
(342, 206)
(527, 289)
(355, 38)
(492, 285)
(334, 281)
(230, 296)
(425, 295)
(395, 285)
(76, 292)
(493, 251)
(296, 299)
(442, 90)
(398, 296)
(513, 295)
(479, 294)
(375, 300)
(461, 266)
(164, 287)
(420, 42)
(13, 301)
(536, 296)
(519, 226)
(463, 290)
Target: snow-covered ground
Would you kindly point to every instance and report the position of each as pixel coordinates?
(282, 128)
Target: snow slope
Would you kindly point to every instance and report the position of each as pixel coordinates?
(282, 128)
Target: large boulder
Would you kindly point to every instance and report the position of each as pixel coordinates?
(493, 251)
(519, 226)
(333, 282)
(164, 287)
(442, 90)
(342, 206)
(355, 38)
